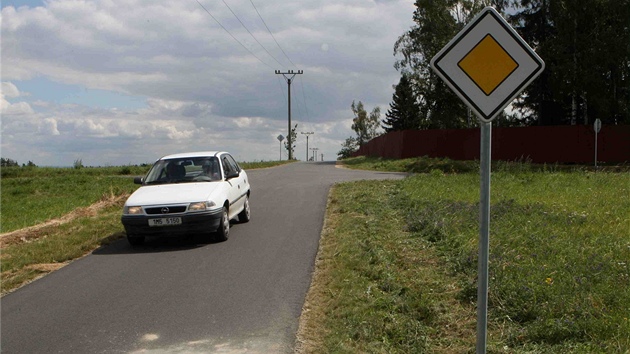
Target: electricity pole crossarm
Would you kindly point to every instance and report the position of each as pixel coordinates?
(307, 135)
(288, 76)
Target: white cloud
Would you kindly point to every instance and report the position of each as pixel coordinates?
(9, 90)
(49, 127)
(202, 88)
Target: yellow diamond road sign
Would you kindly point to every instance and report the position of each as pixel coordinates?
(488, 74)
(487, 64)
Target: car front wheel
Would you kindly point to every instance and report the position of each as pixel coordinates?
(223, 232)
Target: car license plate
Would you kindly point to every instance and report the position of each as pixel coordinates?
(165, 221)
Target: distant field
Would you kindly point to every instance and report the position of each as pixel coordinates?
(397, 267)
(33, 195)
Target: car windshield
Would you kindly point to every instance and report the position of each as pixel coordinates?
(197, 169)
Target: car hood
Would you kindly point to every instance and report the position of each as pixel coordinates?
(179, 193)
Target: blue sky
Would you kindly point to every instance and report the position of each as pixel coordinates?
(44, 89)
(18, 3)
(123, 82)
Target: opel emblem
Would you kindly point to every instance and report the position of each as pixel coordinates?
(165, 210)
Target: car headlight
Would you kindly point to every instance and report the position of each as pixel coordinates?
(133, 210)
(200, 206)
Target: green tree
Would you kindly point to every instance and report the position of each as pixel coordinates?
(404, 111)
(585, 45)
(293, 139)
(4, 162)
(364, 124)
(436, 23)
(348, 148)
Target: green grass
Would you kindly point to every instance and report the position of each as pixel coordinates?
(397, 266)
(33, 195)
(413, 165)
(428, 164)
(263, 164)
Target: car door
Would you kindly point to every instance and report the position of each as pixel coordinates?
(238, 188)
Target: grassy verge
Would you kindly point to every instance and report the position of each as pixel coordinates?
(263, 164)
(396, 271)
(427, 164)
(51, 216)
(51, 247)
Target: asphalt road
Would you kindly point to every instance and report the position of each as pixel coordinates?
(186, 295)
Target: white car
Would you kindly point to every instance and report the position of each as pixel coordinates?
(189, 193)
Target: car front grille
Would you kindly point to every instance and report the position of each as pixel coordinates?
(165, 210)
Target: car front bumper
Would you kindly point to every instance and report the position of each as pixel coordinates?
(192, 223)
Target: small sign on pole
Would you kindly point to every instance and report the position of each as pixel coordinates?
(487, 64)
(280, 138)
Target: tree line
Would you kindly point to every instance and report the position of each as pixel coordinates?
(7, 162)
(585, 45)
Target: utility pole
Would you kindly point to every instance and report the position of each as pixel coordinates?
(314, 153)
(307, 134)
(288, 76)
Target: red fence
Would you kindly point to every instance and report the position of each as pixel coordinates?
(544, 144)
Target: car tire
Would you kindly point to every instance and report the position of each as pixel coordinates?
(135, 240)
(223, 232)
(245, 215)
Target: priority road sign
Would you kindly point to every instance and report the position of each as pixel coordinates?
(487, 64)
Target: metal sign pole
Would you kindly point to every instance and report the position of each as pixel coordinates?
(597, 126)
(484, 238)
(595, 150)
(487, 64)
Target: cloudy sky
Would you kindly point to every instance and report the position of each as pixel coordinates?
(117, 82)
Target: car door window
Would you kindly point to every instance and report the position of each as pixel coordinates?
(233, 163)
(227, 168)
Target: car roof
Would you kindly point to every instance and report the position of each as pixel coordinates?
(192, 154)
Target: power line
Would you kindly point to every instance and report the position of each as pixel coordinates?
(272, 36)
(286, 56)
(231, 35)
(281, 87)
(250, 33)
(308, 117)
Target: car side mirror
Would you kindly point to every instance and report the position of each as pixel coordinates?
(232, 174)
(137, 180)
